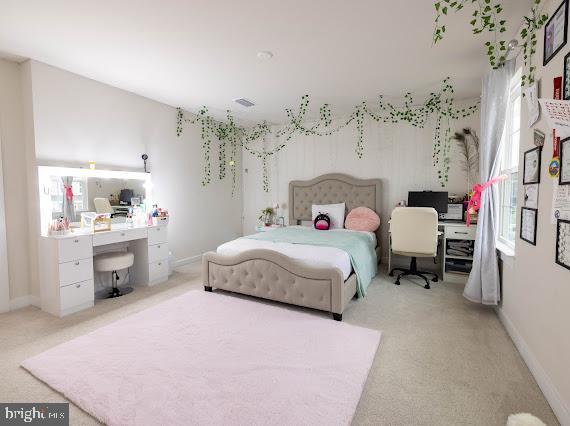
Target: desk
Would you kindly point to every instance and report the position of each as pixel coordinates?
(66, 264)
(450, 232)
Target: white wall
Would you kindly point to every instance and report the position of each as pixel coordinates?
(399, 154)
(71, 120)
(15, 181)
(535, 290)
(77, 120)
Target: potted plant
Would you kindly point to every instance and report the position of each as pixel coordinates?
(267, 215)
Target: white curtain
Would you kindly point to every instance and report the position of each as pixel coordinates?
(68, 210)
(483, 283)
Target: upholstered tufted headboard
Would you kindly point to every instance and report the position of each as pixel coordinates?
(330, 189)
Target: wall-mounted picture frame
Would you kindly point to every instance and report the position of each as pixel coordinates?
(564, 174)
(529, 221)
(555, 32)
(566, 82)
(531, 171)
(563, 243)
(539, 138)
(531, 195)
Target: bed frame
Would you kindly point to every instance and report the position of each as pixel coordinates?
(271, 275)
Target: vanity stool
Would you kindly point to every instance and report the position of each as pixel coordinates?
(112, 262)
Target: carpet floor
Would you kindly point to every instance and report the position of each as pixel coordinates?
(441, 361)
(214, 359)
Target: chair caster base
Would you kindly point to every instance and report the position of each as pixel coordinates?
(427, 287)
(397, 282)
(435, 279)
(208, 288)
(118, 292)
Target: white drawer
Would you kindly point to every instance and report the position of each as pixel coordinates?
(158, 271)
(157, 252)
(157, 235)
(75, 271)
(76, 294)
(75, 248)
(460, 232)
(110, 237)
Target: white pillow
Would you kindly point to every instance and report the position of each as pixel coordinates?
(335, 212)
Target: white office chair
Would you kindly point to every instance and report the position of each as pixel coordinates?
(102, 205)
(414, 233)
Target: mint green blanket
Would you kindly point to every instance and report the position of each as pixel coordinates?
(359, 247)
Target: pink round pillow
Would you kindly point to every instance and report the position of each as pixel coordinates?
(362, 219)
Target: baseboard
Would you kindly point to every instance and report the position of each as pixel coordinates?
(548, 389)
(187, 261)
(35, 301)
(20, 302)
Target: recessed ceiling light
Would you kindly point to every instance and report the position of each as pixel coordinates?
(244, 102)
(265, 55)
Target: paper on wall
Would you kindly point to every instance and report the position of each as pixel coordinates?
(531, 195)
(531, 95)
(560, 202)
(557, 113)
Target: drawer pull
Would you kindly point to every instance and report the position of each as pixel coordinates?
(462, 233)
(77, 285)
(122, 234)
(75, 241)
(158, 246)
(159, 263)
(76, 263)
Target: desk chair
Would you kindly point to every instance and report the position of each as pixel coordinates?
(102, 205)
(414, 233)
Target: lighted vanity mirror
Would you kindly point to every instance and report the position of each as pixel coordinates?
(68, 192)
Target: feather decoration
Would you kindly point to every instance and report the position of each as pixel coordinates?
(468, 144)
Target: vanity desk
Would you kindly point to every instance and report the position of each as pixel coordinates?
(66, 264)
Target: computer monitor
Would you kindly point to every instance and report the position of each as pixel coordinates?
(125, 196)
(435, 199)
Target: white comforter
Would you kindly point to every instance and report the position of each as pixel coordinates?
(310, 255)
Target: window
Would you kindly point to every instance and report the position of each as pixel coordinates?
(80, 198)
(510, 165)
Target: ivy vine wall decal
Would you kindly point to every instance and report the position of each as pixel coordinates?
(440, 104)
(487, 18)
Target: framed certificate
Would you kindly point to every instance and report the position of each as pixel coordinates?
(531, 195)
(564, 176)
(555, 32)
(563, 243)
(529, 219)
(531, 173)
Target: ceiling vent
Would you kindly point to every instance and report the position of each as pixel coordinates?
(244, 102)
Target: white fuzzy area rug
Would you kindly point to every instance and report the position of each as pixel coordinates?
(204, 358)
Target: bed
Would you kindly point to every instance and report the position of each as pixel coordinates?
(259, 270)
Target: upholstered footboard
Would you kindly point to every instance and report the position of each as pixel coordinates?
(271, 275)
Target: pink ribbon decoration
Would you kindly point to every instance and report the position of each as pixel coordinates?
(68, 192)
(475, 200)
